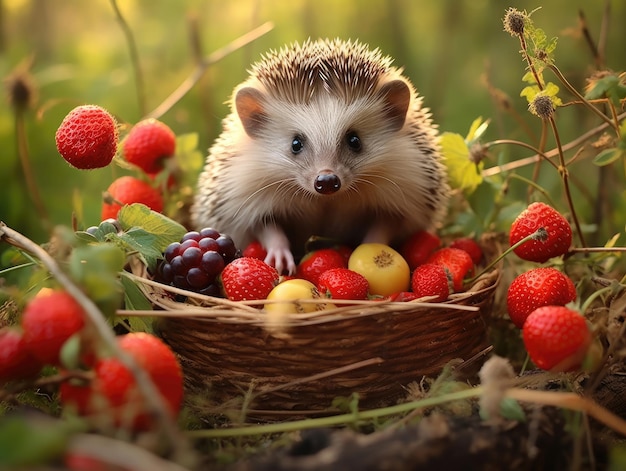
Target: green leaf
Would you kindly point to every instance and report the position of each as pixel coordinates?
(610, 87)
(462, 172)
(483, 202)
(510, 409)
(31, 440)
(134, 298)
(608, 156)
(144, 243)
(164, 229)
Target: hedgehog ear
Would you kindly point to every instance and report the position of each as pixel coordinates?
(249, 105)
(397, 97)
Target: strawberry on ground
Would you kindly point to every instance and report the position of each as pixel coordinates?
(128, 190)
(343, 283)
(48, 320)
(541, 286)
(556, 338)
(458, 263)
(417, 248)
(87, 137)
(553, 242)
(247, 278)
(431, 279)
(148, 143)
(16, 361)
(114, 392)
(470, 246)
(317, 262)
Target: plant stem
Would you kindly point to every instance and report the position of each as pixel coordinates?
(134, 58)
(203, 65)
(336, 420)
(31, 184)
(585, 102)
(548, 155)
(539, 153)
(565, 177)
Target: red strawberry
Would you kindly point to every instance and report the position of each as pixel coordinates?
(114, 390)
(255, 250)
(248, 278)
(317, 262)
(555, 240)
(418, 248)
(128, 190)
(16, 361)
(538, 287)
(342, 283)
(148, 143)
(458, 263)
(556, 338)
(87, 137)
(48, 320)
(431, 279)
(470, 246)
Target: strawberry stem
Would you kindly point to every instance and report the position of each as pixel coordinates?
(539, 233)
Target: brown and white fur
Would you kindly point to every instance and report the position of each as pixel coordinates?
(325, 138)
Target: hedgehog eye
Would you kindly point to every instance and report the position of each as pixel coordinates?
(354, 141)
(297, 144)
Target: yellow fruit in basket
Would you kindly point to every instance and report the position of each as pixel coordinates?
(297, 291)
(384, 268)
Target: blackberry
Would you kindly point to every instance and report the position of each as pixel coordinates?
(195, 262)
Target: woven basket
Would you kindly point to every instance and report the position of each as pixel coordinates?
(228, 351)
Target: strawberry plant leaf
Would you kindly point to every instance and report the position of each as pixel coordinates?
(163, 229)
(134, 298)
(145, 244)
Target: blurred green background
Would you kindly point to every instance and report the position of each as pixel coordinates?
(450, 49)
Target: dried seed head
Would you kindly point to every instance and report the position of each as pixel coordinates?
(21, 90)
(514, 21)
(542, 106)
(477, 152)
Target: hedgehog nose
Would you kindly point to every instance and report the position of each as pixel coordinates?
(327, 183)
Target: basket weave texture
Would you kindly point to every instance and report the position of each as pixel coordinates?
(228, 350)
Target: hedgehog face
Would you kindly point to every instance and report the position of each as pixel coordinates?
(325, 144)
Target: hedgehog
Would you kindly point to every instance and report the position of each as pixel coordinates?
(325, 138)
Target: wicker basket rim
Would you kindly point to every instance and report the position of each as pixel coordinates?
(212, 309)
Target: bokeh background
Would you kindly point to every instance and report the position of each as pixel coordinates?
(75, 52)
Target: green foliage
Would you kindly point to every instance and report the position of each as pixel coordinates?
(610, 86)
(32, 440)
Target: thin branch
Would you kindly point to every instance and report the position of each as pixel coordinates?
(553, 153)
(134, 57)
(29, 175)
(202, 66)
